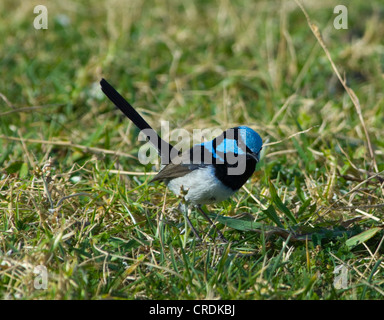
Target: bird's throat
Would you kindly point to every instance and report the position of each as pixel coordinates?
(234, 181)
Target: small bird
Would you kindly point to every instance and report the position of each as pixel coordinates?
(207, 173)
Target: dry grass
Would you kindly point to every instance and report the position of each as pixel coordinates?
(74, 198)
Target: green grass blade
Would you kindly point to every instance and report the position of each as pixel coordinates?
(235, 223)
(271, 214)
(279, 204)
(377, 264)
(362, 237)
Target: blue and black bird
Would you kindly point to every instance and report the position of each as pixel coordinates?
(207, 173)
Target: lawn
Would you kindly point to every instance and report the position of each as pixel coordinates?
(79, 218)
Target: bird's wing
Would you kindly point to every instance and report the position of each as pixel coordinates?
(189, 161)
(172, 171)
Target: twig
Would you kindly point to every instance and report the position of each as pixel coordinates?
(254, 198)
(72, 195)
(27, 109)
(70, 145)
(132, 173)
(351, 93)
(352, 190)
(291, 136)
(5, 99)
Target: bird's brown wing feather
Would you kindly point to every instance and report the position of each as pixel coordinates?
(185, 165)
(172, 171)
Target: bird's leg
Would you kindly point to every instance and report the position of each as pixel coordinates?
(184, 209)
(221, 236)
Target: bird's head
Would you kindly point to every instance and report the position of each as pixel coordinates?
(251, 140)
(238, 141)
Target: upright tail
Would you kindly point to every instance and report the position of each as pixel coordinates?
(163, 147)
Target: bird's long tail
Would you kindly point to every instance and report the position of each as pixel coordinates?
(163, 147)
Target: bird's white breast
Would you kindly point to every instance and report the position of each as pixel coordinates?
(201, 187)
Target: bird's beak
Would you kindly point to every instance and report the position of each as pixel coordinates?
(254, 156)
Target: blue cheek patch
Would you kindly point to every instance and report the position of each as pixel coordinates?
(209, 147)
(232, 147)
(229, 145)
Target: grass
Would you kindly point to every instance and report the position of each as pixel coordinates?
(75, 200)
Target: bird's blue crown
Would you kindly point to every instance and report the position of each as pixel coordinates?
(239, 141)
(251, 139)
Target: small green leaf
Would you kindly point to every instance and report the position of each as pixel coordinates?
(362, 237)
(279, 204)
(299, 191)
(271, 213)
(304, 206)
(235, 223)
(316, 239)
(14, 167)
(23, 170)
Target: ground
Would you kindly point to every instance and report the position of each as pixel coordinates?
(78, 216)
